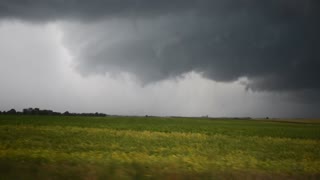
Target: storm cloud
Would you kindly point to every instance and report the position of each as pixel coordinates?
(274, 44)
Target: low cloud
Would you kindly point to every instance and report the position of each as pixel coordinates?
(274, 44)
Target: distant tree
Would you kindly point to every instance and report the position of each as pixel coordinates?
(27, 111)
(36, 111)
(45, 112)
(12, 111)
(66, 113)
(56, 113)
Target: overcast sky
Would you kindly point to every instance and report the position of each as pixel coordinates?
(169, 57)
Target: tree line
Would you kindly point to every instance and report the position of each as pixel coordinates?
(37, 111)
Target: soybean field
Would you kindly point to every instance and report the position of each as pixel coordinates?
(115, 147)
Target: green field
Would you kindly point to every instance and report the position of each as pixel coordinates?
(68, 147)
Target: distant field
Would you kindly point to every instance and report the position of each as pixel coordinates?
(60, 147)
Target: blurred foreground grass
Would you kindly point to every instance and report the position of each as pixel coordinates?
(65, 147)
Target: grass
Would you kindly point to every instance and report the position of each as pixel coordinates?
(67, 147)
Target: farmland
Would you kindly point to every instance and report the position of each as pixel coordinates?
(59, 147)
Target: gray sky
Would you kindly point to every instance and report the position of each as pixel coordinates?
(177, 57)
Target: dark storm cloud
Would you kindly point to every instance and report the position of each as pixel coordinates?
(42, 10)
(274, 43)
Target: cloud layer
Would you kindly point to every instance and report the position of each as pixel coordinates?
(275, 44)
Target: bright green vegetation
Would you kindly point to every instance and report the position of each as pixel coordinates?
(58, 147)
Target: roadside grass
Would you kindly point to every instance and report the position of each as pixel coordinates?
(59, 147)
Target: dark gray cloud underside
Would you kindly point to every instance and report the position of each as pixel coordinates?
(37, 10)
(274, 43)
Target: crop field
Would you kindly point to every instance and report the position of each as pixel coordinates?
(71, 147)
